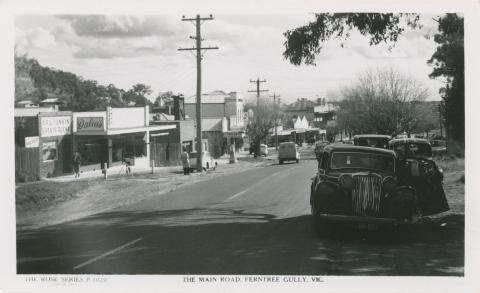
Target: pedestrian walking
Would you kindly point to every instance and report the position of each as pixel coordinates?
(185, 161)
(76, 161)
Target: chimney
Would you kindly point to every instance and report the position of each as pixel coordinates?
(178, 107)
(319, 101)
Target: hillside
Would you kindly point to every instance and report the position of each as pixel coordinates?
(37, 83)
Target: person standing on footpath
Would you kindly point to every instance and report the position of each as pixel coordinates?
(185, 161)
(76, 161)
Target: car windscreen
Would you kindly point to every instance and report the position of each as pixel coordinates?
(413, 149)
(359, 160)
(372, 142)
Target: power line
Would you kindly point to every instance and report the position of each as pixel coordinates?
(258, 81)
(199, 54)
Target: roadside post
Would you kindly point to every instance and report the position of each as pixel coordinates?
(104, 167)
(233, 158)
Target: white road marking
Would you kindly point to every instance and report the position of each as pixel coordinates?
(106, 254)
(252, 186)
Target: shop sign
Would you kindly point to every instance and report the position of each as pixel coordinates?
(32, 141)
(89, 124)
(55, 126)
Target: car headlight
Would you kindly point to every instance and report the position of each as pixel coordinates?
(346, 181)
(389, 184)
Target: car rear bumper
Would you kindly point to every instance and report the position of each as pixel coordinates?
(360, 219)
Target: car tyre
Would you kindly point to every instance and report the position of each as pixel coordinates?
(297, 160)
(280, 161)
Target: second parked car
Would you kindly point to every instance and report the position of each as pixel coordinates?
(288, 151)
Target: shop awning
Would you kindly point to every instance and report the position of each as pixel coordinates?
(117, 131)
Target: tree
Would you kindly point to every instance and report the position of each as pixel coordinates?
(164, 98)
(137, 95)
(382, 101)
(141, 89)
(448, 61)
(260, 125)
(305, 42)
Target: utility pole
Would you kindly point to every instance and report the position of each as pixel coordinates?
(198, 111)
(258, 81)
(275, 108)
(440, 118)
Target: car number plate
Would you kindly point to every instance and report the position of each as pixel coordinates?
(369, 227)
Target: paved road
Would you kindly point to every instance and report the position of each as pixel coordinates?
(255, 222)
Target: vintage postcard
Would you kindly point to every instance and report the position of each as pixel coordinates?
(173, 147)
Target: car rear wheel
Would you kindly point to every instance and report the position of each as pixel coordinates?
(280, 161)
(297, 160)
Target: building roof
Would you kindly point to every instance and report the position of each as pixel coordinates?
(25, 102)
(326, 108)
(52, 100)
(30, 112)
(215, 97)
(301, 105)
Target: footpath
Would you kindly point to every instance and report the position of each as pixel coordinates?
(56, 200)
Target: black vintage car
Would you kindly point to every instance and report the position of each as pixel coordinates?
(418, 169)
(365, 185)
(372, 140)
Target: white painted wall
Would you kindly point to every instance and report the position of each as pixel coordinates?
(126, 117)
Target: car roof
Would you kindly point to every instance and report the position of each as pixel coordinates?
(372, 136)
(287, 142)
(408, 140)
(354, 148)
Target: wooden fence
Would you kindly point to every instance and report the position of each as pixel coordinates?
(166, 154)
(27, 164)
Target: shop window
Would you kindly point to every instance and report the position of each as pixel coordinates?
(49, 151)
(128, 147)
(92, 151)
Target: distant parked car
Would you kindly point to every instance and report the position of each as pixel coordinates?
(367, 187)
(372, 140)
(263, 150)
(207, 162)
(288, 151)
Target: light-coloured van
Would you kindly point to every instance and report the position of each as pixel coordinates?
(287, 151)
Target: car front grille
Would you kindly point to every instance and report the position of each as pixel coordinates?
(366, 195)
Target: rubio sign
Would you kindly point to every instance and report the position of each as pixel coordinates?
(89, 124)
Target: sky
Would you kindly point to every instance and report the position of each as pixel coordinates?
(129, 49)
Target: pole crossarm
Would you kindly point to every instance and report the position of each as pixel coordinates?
(258, 90)
(197, 18)
(195, 49)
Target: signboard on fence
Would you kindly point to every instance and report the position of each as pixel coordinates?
(55, 126)
(32, 141)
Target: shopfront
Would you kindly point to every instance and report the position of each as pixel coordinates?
(114, 137)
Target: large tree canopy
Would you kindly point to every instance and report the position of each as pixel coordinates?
(384, 101)
(305, 42)
(448, 61)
